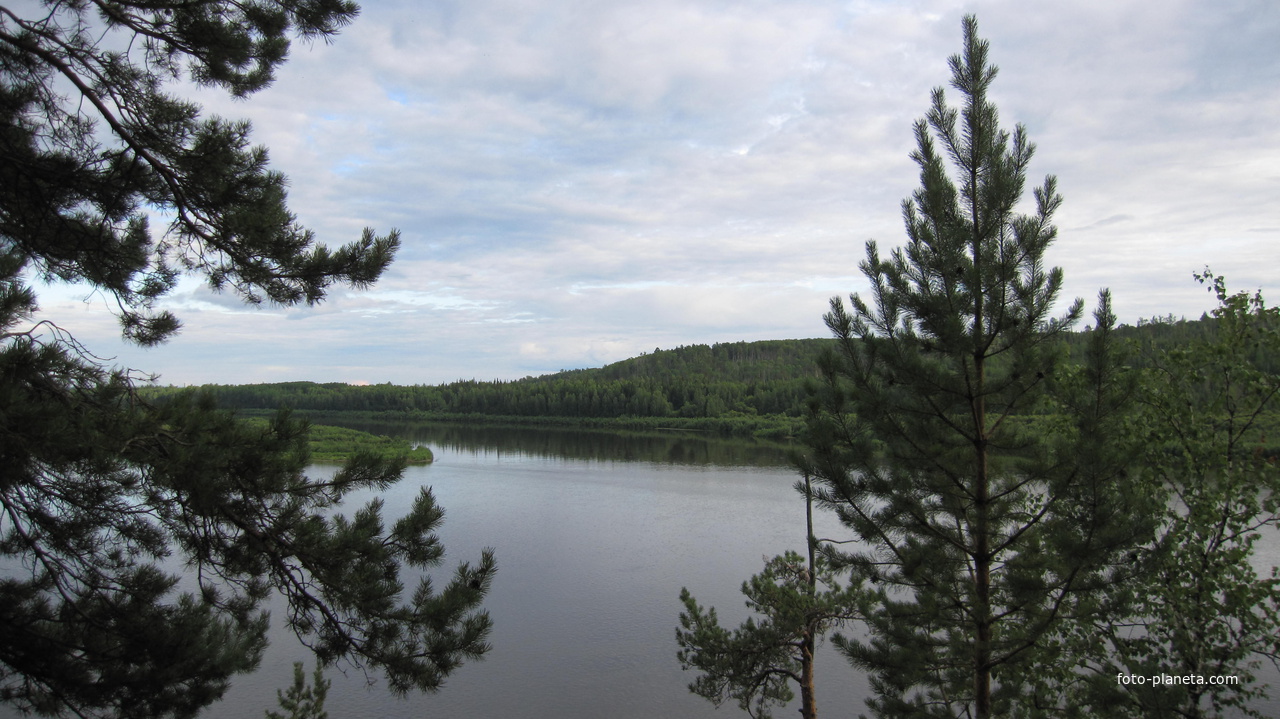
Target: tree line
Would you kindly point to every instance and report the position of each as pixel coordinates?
(743, 381)
(698, 381)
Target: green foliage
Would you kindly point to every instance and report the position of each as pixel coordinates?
(981, 534)
(303, 701)
(1199, 607)
(738, 383)
(756, 663)
(100, 488)
(94, 145)
(334, 445)
(743, 389)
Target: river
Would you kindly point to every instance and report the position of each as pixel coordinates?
(595, 535)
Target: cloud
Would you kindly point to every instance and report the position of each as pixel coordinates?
(579, 182)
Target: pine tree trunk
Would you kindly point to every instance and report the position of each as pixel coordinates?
(982, 493)
(982, 570)
(808, 704)
(982, 563)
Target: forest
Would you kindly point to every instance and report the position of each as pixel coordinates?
(731, 388)
(755, 389)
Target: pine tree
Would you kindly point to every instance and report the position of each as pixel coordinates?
(979, 475)
(303, 701)
(797, 600)
(97, 486)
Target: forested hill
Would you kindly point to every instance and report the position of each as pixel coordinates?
(763, 361)
(738, 387)
(725, 387)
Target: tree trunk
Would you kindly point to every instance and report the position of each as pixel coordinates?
(808, 705)
(982, 551)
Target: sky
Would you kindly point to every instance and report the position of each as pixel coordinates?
(578, 182)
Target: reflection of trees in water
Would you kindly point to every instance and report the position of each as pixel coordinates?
(676, 447)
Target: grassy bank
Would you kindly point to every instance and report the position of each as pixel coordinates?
(334, 445)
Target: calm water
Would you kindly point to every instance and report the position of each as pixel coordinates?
(595, 535)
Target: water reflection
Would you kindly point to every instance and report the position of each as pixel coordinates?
(595, 535)
(681, 447)
(596, 532)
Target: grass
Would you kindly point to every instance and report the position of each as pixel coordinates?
(334, 445)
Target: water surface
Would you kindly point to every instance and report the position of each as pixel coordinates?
(595, 535)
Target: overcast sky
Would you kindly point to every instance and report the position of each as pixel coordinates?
(578, 182)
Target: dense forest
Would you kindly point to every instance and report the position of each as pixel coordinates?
(744, 388)
(732, 388)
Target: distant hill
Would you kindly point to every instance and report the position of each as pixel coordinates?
(731, 387)
(734, 387)
(763, 361)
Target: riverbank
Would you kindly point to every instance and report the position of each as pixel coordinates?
(778, 428)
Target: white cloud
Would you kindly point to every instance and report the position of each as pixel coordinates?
(578, 182)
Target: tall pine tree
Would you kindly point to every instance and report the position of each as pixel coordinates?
(977, 473)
